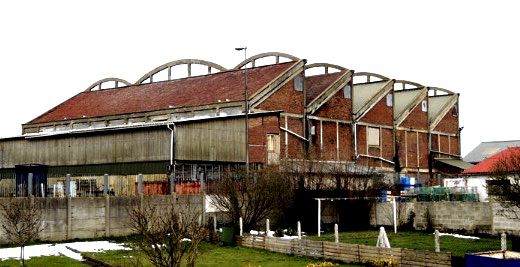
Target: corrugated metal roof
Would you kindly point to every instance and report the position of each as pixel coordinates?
(193, 91)
(436, 104)
(487, 149)
(488, 165)
(456, 163)
(364, 92)
(402, 99)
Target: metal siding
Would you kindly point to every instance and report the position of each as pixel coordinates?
(211, 141)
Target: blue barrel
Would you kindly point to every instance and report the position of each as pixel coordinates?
(405, 181)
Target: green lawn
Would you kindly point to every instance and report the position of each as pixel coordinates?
(213, 255)
(44, 261)
(417, 240)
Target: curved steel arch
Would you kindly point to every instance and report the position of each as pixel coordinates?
(435, 89)
(327, 66)
(171, 64)
(111, 79)
(405, 82)
(371, 74)
(277, 55)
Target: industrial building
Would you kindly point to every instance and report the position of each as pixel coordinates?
(197, 123)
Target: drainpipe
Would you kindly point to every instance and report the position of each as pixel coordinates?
(172, 141)
(354, 133)
(172, 155)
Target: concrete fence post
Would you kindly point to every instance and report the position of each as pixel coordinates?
(105, 184)
(336, 234)
(240, 226)
(172, 184)
(299, 227)
(107, 216)
(503, 242)
(437, 241)
(267, 228)
(67, 185)
(29, 184)
(69, 214)
(140, 183)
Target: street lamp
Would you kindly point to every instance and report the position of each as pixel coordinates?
(246, 104)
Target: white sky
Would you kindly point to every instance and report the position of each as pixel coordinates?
(52, 50)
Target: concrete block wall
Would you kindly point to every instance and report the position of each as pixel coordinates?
(71, 218)
(477, 217)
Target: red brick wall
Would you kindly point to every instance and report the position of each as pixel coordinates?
(338, 107)
(411, 141)
(417, 119)
(259, 127)
(449, 123)
(286, 98)
(345, 142)
(380, 114)
(295, 144)
(423, 150)
(361, 139)
(329, 141)
(387, 144)
(454, 149)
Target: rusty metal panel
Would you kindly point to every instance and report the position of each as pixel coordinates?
(218, 140)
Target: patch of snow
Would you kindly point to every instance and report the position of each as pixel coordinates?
(60, 249)
(459, 236)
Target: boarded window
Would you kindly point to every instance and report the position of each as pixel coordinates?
(373, 136)
(389, 100)
(273, 148)
(298, 83)
(347, 91)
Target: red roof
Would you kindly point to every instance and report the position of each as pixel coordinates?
(318, 83)
(192, 91)
(488, 165)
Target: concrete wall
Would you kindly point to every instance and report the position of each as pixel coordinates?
(478, 217)
(70, 218)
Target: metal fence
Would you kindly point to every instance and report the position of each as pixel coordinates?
(185, 181)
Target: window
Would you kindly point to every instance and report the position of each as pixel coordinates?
(298, 83)
(424, 106)
(389, 100)
(347, 91)
(273, 148)
(373, 136)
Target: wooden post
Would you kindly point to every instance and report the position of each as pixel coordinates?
(240, 224)
(299, 226)
(437, 241)
(336, 234)
(503, 242)
(267, 228)
(214, 223)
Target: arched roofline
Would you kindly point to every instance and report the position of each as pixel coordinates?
(326, 66)
(371, 74)
(435, 89)
(277, 55)
(171, 64)
(406, 82)
(110, 79)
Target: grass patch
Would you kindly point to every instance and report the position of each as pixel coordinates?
(213, 256)
(44, 261)
(417, 240)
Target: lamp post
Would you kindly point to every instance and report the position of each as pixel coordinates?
(246, 104)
